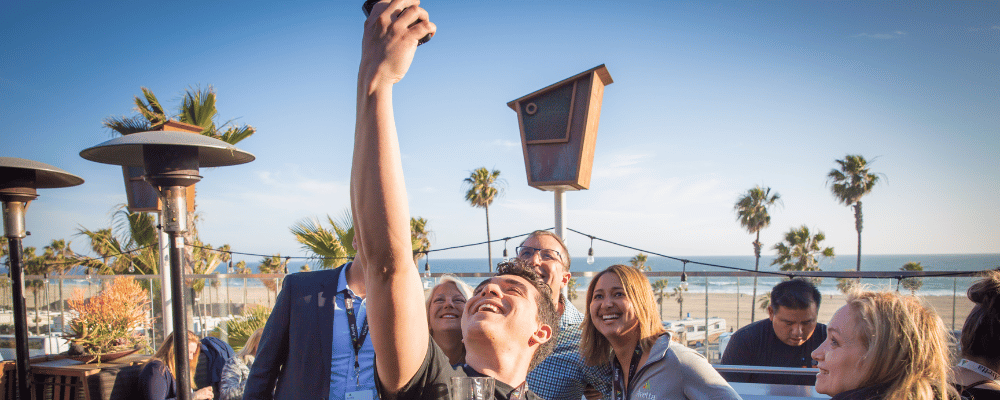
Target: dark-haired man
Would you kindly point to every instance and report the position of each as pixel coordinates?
(563, 375)
(508, 323)
(785, 339)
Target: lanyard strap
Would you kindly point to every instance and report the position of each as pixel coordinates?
(619, 392)
(357, 340)
(979, 369)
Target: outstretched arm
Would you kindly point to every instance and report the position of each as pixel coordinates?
(378, 194)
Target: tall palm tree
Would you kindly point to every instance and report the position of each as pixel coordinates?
(851, 182)
(482, 187)
(801, 250)
(639, 262)
(752, 213)
(660, 290)
(271, 265)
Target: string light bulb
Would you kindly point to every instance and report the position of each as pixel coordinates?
(590, 253)
(505, 258)
(684, 276)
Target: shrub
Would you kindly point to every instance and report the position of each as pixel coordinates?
(110, 321)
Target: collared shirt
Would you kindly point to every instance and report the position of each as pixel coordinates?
(563, 375)
(342, 373)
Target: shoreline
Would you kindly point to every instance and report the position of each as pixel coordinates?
(720, 305)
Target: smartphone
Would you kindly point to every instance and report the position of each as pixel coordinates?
(367, 9)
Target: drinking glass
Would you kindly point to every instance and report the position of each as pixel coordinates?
(471, 388)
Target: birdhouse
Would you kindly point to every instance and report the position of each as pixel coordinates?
(141, 195)
(559, 130)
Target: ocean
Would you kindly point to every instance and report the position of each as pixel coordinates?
(931, 262)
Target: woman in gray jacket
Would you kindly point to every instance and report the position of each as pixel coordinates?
(623, 327)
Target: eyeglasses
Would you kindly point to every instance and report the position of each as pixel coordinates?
(525, 252)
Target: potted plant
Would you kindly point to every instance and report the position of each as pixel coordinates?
(108, 325)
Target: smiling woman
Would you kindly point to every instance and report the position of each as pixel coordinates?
(445, 305)
(884, 345)
(623, 327)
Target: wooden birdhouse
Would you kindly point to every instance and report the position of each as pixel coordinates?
(559, 130)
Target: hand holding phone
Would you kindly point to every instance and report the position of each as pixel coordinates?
(367, 9)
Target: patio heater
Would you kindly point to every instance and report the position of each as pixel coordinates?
(558, 133)
(171, 160)
(18, 180)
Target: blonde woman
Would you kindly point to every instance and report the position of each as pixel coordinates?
(237, 369)
(156, 380)
(623, 327)
(445, 306)
(977, 374)
(884, 345)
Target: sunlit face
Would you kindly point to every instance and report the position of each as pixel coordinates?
(793, 327)
(503, 308)
(840, 358)
(446, 307)
(550, 267)
(611, 310)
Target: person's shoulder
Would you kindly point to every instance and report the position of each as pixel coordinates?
(152, 368)
(313, 277)
(752, 329)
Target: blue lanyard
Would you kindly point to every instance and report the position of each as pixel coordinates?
(356, 340)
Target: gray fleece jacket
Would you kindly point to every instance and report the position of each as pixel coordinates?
(674, 371)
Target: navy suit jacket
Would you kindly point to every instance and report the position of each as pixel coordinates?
(293, 357)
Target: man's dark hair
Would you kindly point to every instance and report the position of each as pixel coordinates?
(547, 313)
(795, 294)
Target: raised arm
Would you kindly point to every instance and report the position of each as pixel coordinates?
(397, 318)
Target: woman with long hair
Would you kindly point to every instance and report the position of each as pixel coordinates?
(445, 305)
(156, 380)
(237, 369)
(623, 327)
(977, 375)
(884, 345)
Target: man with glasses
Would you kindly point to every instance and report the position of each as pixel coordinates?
(562, 375)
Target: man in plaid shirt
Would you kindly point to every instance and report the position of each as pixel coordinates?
(562, 375)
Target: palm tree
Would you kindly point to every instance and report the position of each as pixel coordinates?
(912, 284)
(34, 265)
(846, 284)
(852, 181)
(751, 211)
(420, 237)
(639, 262)
(482, 187)
(571, 288)
(800, 250)
(329, 247)
(271, 265)
(679, 293)
(660, 290)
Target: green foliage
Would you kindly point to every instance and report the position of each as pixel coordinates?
(639, 262)
(571, 287)
(801, 251)
(764, 301)
(752, 208)
(846, 284)
(853, 180)
(329, 247)
(241, 327)
(912, 284)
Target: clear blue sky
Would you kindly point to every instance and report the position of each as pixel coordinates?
(709, 99)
